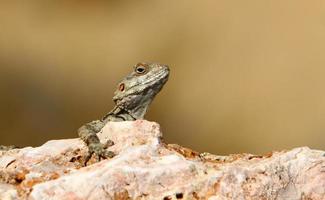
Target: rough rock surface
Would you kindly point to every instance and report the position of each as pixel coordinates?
(147, 168)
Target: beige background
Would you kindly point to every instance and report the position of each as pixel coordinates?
(246, 76)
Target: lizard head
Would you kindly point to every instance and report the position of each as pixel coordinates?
(136, 91)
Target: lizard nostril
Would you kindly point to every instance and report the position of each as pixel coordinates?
(121, 87)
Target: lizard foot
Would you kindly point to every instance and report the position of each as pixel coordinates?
(100, 151)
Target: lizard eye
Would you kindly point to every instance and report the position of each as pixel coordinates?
(140, 68)
(121, 87)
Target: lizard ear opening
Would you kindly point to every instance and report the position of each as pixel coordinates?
(121, 87)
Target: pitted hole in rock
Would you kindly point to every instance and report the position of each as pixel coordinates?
(20, 177)
(167, 198)
(179, 195)
(195, 195)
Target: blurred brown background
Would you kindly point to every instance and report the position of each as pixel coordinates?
(246, 76)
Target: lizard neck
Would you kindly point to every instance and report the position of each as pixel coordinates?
(140, 110)
(121, 114)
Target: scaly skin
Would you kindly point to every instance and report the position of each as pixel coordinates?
(132, 98)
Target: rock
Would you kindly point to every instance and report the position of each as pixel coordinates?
(147, 168)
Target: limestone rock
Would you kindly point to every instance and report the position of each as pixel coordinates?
(147, 168)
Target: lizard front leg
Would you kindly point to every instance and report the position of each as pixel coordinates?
(88, 134)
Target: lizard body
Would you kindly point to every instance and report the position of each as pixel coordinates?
(132, 98)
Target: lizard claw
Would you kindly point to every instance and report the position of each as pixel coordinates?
(108, 143)
(100, 151)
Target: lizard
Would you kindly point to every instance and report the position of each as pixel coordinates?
(132, 99)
